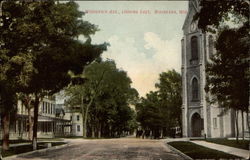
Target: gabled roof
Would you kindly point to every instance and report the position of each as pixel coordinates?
(193, 7)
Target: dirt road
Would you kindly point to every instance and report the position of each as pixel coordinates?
(108, 149)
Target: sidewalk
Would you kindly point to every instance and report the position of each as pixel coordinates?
(230, 150)
(28, 143)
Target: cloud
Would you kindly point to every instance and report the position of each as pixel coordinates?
(167, 53)
(144, 70)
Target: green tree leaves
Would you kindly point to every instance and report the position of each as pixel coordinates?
(40, 46)
(213, 13)
(106, 95)
(161, 110)
(228, 74)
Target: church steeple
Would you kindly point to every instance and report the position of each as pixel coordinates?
(189, 23)
(194, 4)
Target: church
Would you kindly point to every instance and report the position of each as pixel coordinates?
(199, 117)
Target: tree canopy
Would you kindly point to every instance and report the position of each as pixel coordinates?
(106, 98)
(228, 74)
(213, 13)
(40, 46)
(160, 111)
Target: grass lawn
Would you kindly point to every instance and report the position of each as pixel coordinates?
(89, 138)
(198, 152)
(19, 150)
(71, 137)
(243, 144)
(50, 139)
(17, 141)
(26, 148)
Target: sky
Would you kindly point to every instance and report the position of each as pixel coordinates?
(144, 37)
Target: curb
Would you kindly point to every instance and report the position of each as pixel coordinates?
(36, 151)
(186, 157)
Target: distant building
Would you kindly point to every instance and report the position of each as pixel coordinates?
(76, 121)
(198, 116)
(50, 123)
(71, 113)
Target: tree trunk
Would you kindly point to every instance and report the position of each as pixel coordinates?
(83, 118)
(110, 130)
(161, 136)
(242, 123)
(92, 131)
(86, 118)
(21, 124)
(99, 131)
(36, 107)
(237, 126)
(30, 124)
(6, 130)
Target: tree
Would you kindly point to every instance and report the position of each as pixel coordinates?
(8, 109)
(170, 95)
(214, 13)
(229, 81)
(28, 102)
(229, 73)
(149, 114)
(105, 96)
(160, 111)
(15, 65)
(49, 32)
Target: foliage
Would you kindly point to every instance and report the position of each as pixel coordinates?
(229, 80)
(40, 46)
(170, 95)
(213, 13)
(107, 93)
(149, 112)
(228, 74)
(161, 110)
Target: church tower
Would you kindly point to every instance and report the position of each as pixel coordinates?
(194, 110)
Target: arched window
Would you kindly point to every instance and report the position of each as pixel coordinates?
(195, 89)
(210, 45)
(194, 48)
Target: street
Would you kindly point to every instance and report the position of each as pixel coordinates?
(108, 149)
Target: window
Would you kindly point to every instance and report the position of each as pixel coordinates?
(215, 122)
(194, 48)
(78, 128)
(48, 108)
(51, 108)
(195, 89)
(210, 46)
(43, 108)
(78, 117)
